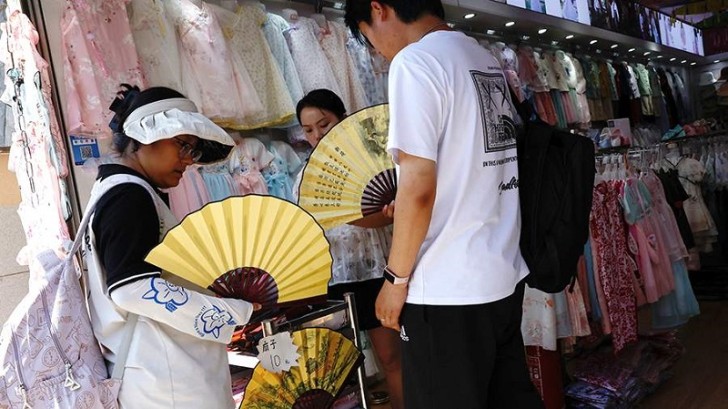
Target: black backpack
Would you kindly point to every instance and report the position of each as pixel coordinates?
(556, 181)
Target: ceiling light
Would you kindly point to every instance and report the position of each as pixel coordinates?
(693, 63)
(599, 51)
(716, 61)
(592, 42)
(630, 50)
(646, 53)
(569, 37)
(451, 25)
(490, 32)
(543, 31)
(673, 59)
(469, 16)
(615, 45)
(525, 38)
(554, 42)
(510, 24)
(658, 57)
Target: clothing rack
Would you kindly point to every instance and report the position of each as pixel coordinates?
(709, 137)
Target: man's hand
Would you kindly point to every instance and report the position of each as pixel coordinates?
(389, 304)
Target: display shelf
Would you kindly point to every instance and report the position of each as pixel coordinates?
(338, 316)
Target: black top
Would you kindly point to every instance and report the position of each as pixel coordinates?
(675, 195)
(126, 227)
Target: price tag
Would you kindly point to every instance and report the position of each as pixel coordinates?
(277, 353)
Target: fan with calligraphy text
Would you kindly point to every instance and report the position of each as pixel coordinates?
(256, 248)
(326, 361)
(350, 175)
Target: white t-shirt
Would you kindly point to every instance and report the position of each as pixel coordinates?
(449, 103)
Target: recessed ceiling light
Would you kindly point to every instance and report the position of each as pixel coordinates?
(673, 59)
(693, 63)
(490, 32)
(716, 61)
(658, 57)
(554, 42)
(592, 42)
(569, 37)
(451, 25)
(599, 51)
(525, 37)
(615, 45)
(543, 31)
(469, 16)
(510, 24)
(683, 61)
(630, 50)
(646, 53)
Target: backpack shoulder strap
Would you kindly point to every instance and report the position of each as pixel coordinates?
(100, 189)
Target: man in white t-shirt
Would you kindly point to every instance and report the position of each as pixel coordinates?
(454, 279)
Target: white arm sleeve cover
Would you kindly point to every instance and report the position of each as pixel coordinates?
(208, 318)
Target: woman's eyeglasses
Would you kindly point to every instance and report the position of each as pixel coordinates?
(187, 149)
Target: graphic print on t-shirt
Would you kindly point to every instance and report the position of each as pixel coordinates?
(495, 103)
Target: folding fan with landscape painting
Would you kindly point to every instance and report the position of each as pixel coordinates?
(257, 248)
(350, 175)
(326, 361)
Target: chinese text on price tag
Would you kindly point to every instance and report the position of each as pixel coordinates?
(277, 353)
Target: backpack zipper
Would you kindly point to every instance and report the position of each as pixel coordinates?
(70, 382)
(19, 371)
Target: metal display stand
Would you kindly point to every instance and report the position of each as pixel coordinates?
(320, 318)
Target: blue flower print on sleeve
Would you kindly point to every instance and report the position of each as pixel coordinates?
(167, 294)
(212, 319)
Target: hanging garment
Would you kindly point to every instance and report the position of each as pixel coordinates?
(666, 218)
(585, 115)
(189, 195)
(610, 250)
(314, 68)
(243, 31)
(246, 162)
(158, 51)
(37, 150)
(218, 181)
(215, 79)
(281, 172)
(359, 53)
(273, 29)
(702, 225)
(99, 54)
(333, 40)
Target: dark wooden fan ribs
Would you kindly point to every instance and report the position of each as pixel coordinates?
(249, 284)
(380, 191)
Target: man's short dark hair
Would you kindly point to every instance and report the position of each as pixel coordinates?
(358, 11)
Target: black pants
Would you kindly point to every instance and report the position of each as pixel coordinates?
(470, 356)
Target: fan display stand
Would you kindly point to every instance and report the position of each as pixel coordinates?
(339, 316)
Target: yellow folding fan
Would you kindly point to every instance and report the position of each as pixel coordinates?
(350, 175)
(327, 360)
(257, 248)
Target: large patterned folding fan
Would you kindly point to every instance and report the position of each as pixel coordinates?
(326, 361)
(257, 248)
(350, 175)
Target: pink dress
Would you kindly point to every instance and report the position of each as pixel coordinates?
(247, 160)
(190, 195)
(99, 54)
(221, 88)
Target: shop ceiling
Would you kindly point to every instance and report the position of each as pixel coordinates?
(489, 20)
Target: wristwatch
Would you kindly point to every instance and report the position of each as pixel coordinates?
(394, 278)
